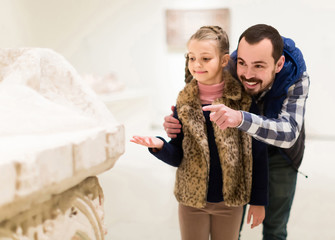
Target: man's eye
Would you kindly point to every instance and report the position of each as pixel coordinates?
(259, 66)
(192, 59)
(241, 63)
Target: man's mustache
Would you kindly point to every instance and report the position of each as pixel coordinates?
(252, 80)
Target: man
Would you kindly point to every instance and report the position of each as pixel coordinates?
(273, 71)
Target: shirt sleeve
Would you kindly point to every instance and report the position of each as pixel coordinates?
(260, 174)
(284, 130)
(172, 151)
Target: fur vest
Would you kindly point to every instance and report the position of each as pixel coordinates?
(234, 148)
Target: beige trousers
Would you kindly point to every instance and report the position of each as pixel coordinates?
(216, 220)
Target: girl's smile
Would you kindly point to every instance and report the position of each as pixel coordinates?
(200, 72)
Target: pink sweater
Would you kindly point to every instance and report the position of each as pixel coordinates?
(208, 93)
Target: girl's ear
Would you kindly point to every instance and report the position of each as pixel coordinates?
(280, 64)
(224, 60)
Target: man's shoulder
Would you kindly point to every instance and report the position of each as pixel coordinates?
(303, 81)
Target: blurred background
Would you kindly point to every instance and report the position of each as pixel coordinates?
(125, 42)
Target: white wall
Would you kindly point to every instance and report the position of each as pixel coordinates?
(127, 37)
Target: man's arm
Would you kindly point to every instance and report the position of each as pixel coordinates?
(282, 131)
(172, 125)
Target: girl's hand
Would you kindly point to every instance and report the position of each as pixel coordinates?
(257, 213)
(151, 142)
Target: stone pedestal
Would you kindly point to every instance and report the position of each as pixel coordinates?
(74, 214)
(55, 137)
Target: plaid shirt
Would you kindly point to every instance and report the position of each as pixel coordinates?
(284, 130)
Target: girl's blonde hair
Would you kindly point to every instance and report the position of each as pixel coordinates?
(208, 33)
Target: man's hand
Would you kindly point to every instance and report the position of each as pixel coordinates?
(171, 125)
(224, 116)
(257, 213)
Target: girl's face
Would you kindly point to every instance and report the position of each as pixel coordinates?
(205, 61)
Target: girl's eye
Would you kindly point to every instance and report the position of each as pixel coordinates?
(192, 59)
(206, 59)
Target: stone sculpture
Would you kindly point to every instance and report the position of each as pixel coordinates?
(55, 137)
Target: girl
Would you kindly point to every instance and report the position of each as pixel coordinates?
(217, 172)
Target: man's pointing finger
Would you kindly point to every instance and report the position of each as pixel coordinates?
(212, 108)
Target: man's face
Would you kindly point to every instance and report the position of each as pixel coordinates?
(256, 67)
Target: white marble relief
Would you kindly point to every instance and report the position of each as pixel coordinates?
(54, 133)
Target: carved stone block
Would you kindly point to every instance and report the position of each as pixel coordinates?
(55, 134)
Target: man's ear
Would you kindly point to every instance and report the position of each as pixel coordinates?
(225, 60)
(280, 64)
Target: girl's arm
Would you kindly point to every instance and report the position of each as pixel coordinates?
(172, 151)
(169, 152)
(260, 179)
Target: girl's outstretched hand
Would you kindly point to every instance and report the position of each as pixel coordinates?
(151, 142)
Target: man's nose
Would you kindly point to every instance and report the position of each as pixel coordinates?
(249, 73)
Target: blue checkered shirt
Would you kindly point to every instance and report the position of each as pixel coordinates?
(284, 130)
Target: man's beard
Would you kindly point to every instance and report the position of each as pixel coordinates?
(258, 81)
(251, 80)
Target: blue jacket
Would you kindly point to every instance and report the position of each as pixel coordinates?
(292, 71)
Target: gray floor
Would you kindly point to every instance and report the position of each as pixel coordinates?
(139, 201)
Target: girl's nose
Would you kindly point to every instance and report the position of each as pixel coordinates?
(197, 64)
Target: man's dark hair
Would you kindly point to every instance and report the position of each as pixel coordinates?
(257, 33)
